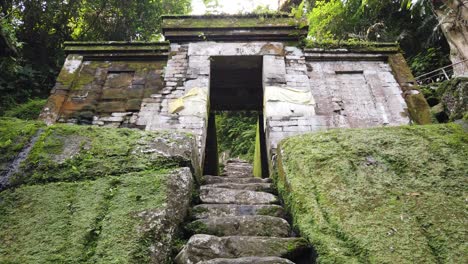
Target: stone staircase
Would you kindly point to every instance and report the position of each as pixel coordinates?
(239, 221)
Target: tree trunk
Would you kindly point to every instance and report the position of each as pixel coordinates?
(453, 19)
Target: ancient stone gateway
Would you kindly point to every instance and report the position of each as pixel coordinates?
(234, 63)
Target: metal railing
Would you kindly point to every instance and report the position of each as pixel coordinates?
(438, 75)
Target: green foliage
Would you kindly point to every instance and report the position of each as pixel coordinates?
(383, 21)
(381, 195)
(27, 111)
(325, 19)
(236, 133)
(428, 60)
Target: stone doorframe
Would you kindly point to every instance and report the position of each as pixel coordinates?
(187, 82)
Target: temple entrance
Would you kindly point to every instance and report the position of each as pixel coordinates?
(236, 87)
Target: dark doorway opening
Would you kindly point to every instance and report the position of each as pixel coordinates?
(235, 85)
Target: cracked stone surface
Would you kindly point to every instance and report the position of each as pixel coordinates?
(256, 225)
(220, 210)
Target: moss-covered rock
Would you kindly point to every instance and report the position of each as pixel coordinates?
(15, 134)
(74, 153)
(93, 195)
(382, 195)
(455, 97)
(448, 99)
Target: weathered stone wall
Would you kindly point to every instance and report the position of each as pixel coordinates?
(182, 75)
(105, 83)
(355, 93)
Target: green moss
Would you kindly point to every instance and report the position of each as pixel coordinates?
(449, 99)
(73, 153)
(80, 222)
(271, 211)
(454, 97)
(382, 195)
(81, 79)
(14, 135)
(81, 191)
(117, 48)
(199, 210)
(418, 109)
(257, 167)
(353, 45)
(198, 227)
(401, 71)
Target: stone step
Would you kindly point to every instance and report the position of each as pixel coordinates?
(238, 165)
(230, 196)
(258, 225)
(264, 187)
(206, 247)
(237, 174)
(208, 179)
(249, 260)
(238, 161)
(220, 210)
(238, 168)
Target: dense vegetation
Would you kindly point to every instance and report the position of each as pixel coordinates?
(381, 195)
(414, 27)
(236, 134)
(77, 196)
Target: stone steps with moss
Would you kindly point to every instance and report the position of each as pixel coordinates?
(239, 221)
(203, 247)
(263, 187)
(208, 179)
(202, 211)
(225, 195)
(249, 260)
(257, 225)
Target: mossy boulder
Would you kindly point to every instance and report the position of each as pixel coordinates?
(381, 195)
(448, 99)
(93, 195)
(73, 153)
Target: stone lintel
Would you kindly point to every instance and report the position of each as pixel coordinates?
(118, 49)
(233, 28)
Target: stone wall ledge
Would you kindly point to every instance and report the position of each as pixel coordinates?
(116, 48)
